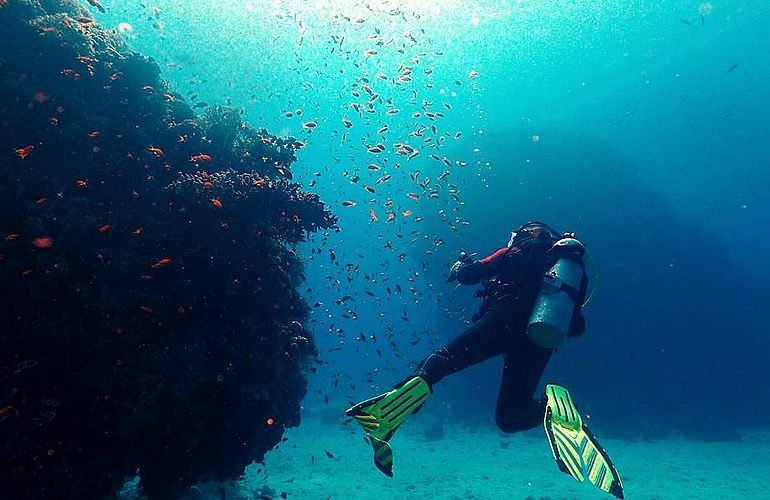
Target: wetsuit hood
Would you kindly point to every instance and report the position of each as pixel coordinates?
(532, 229)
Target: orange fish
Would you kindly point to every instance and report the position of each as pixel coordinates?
(138, 231)
(162, 262)
(216, 202)
(156, 151)
(259, 182)
(43, 242)
(413, 196)
(80, 183)
(208, 185)
(200, 158)
(407, 213)
(391, 216)
(24, 152)
(104, 228)
(95, 133)
(373, 215)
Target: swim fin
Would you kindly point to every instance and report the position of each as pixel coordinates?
(381, 415)
(575, 449)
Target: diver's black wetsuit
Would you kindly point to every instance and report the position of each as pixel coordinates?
(513, 281)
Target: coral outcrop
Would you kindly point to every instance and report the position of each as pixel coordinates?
(149, 313)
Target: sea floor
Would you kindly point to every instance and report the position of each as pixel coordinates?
(485, 464)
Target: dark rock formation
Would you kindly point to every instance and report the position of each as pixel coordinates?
(150, 319)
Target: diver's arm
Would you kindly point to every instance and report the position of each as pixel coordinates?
(471, 272)
(529, 255)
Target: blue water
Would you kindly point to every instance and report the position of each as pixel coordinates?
(642, 126)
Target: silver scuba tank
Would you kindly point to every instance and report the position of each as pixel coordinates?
(550, 320)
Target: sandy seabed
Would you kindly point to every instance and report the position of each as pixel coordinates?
(483, 463)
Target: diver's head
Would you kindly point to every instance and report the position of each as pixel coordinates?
(532, 229)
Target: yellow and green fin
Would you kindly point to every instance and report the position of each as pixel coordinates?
(381, 415)
(575, 449)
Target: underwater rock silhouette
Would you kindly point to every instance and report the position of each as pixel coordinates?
(150, 319)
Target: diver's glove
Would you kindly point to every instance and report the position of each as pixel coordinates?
(454, 268)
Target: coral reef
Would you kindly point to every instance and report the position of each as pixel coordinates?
(150, 318)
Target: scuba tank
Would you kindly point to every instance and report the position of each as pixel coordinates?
(560, 294)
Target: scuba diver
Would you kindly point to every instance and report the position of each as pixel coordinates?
(534, 290)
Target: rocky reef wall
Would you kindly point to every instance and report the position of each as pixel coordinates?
(149, 313)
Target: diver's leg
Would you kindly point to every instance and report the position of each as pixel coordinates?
(484, 339)
(524, 364)
(381, 415)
